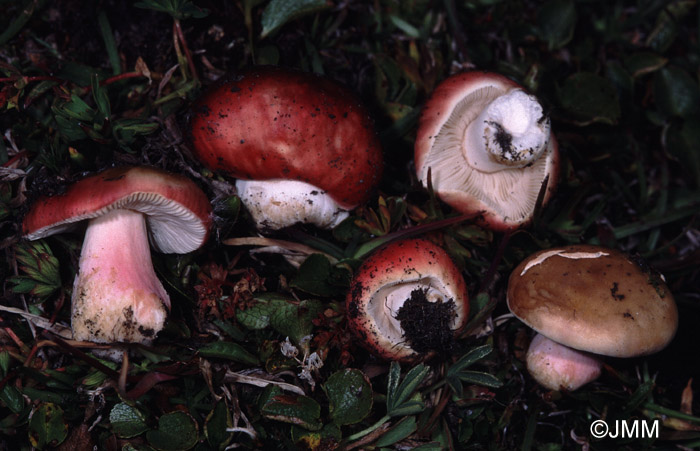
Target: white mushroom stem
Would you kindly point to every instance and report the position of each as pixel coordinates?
(275, 204)
(116, 294)
(557, 367)
(510, 132)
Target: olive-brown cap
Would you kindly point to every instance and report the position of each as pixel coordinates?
(594, 299)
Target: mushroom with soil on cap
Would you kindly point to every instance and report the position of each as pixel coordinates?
(302, 147)
(407, 301)
(488, 148)
(117, 296)
(588, 301)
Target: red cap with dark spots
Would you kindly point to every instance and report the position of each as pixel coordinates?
(273, 123)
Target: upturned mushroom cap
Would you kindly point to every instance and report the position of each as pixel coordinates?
(271, 124)
(117, 296)
(384, 283)
(594, 299)
(177, 212)
(556, 366)
(488, 148)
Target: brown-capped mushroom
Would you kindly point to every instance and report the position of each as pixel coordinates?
(488, 148)
(302, 147)
(407, 301)
(117, 296)
(594, 300)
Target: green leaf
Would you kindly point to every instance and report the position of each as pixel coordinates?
(401, 430)
(400, 397)
(228, 350)
(639, 397)
(178, 9)
(469, 359)
(110, 43)
(290, 408)
(26, 11)
(40, 270)
(127, 421)
(218, 420)
(99, 93)
(557, 20)
(293, 320)
(4, 363)
(258, 315)
(404, 26)
(47, 426)
(667, 26)
(350, 396)
(676, 93)
(590, 98)
(289, 317)
(279, 12)
(12, 398)
(479, 378)
(317, 276)
(176, 431)
(76, 108)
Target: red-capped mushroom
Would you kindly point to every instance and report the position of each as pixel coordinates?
(117, 296)
(302, 147)
(488, 148)
(407, 301)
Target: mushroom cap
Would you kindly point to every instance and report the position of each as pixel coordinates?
(274, 123)
(556, 366)
(593, 299)
(505, 199)
(403, 266)
(177, 211)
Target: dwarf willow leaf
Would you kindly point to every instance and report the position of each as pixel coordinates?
(279, 12)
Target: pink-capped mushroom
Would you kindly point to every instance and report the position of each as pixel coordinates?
(117, 296)
(302, 147)
(488, 148)
(407, 301)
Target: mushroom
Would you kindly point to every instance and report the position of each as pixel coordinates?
(407, 301)
(488, 148)
(116, 294)
(302, 147)
(590, 299)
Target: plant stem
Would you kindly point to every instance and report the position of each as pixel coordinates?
(370, 429)
(670, 412)
(186, 48)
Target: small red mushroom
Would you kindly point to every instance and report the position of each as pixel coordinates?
(488, 147)
(407, 301)
(302, 147)
(116, 294)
